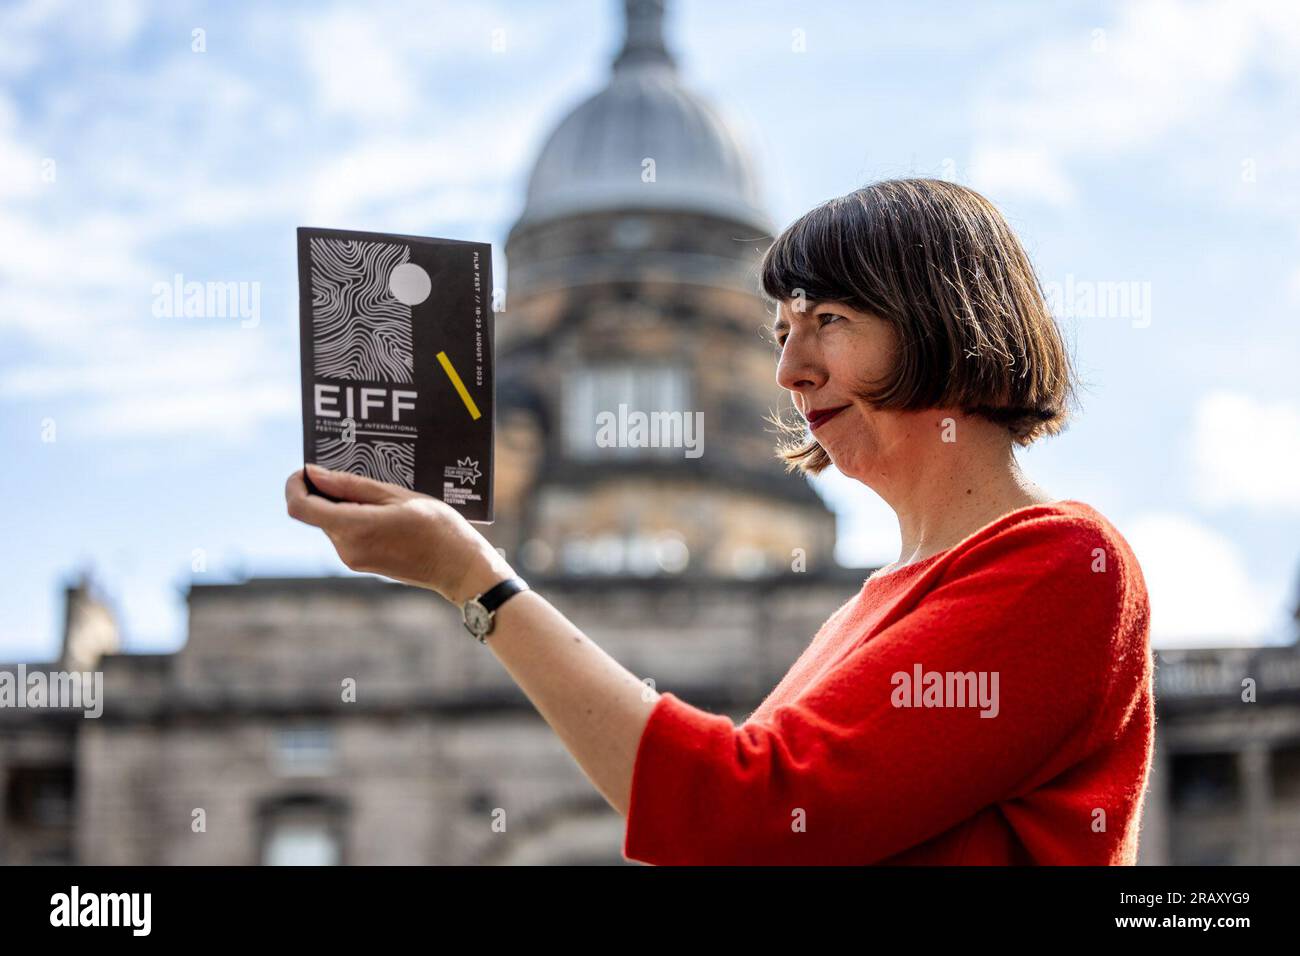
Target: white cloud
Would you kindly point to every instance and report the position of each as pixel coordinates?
(203, 384)
(93, 251)
(379, 172)
(360, 69)
(1246, 452)
(20, 24)
(91, 27)
(1022, 173)
(20, 164)
(82, 252)
(1115, 89)
(121, 21)
(1200, 591)
(62, 284)
(230, 411)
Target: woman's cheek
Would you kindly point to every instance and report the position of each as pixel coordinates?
(855, 442)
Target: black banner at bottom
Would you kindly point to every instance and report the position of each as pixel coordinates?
(207, 905)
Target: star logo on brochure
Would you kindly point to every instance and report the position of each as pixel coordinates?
(466, 469)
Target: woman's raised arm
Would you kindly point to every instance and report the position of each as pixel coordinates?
(597, 707)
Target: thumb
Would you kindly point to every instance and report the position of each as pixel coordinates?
(350, 487)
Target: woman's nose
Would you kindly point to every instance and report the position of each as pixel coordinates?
(799, 367)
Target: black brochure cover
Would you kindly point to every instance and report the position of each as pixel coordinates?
(397, 362)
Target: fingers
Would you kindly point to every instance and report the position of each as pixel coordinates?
(306, 507)
(350, 487)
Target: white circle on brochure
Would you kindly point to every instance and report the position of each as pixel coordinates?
(410, 284)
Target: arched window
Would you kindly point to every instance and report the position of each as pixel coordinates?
(302, 830)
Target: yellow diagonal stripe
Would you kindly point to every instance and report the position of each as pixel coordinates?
(460, 386)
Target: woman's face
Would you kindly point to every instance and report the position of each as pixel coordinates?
(831, 351)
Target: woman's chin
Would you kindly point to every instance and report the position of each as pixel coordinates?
(852, 464)
(841, 465)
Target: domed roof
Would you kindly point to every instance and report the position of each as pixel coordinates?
(595, 158)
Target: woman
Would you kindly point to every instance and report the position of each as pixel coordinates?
(986, 699)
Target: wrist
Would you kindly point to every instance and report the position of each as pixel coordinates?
(486, 570)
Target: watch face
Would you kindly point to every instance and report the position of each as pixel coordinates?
(477, 618)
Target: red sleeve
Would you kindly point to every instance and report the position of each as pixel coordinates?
(841, 775)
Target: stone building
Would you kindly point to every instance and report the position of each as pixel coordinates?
(349, 720)
(1225, 782)
(245, 746)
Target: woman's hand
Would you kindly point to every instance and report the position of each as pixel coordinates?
(385, 529)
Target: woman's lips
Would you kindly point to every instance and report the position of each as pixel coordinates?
(822, 417)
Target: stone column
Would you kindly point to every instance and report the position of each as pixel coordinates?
(4, 814)
(1154, 837)
(1253, 762)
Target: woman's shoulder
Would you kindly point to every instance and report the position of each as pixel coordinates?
(1069, 544)
(1064, 524)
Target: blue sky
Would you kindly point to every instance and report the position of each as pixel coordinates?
(1152, 143)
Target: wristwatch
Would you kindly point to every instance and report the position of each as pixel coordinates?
(479, 612)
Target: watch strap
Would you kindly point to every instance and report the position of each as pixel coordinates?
(495, 596)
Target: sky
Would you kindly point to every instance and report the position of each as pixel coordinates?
(1147, 153)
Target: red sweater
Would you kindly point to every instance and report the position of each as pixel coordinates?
(991, 704)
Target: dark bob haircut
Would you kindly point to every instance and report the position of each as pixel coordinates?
(940, 264)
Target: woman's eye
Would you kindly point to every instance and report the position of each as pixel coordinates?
(780, 340)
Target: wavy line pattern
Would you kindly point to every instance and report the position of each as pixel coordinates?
(361, 333)
(391, 461)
